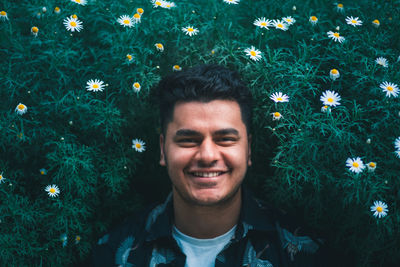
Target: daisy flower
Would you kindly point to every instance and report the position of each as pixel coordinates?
(159, 47)
(235, 2)
(276, 116)
(336, 36)
(158, 3)
(334, 74)
(190, 30)
(140, 10)
(280, 24)
(313, 20)
(125, 21)
(57, 10)
(81, 2)
(176, 68)
(279, 97)
(136, 86)
(64, 239)
(380, 209)
(289, 20)
(74, 16)
(169, 5)
(253, 53)
(355, 164)
(43, 171)
(391, 89)
(2, 178)
(330, 98)
(52, 190)
(397, 143)
(262, 23)
(136, 17)
(129, 57)
(3, 15)
(339, 8)
(325, 109)
(376, 23)
(21, 109)
(73, 24)
(34, 31)
(138, 145)
(77, 239)
(353, 21)
(95, 85)
(371, 166)
(382, 61)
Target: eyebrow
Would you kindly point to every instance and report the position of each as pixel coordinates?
(189, 132)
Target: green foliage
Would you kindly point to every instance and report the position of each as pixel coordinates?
(84, 139)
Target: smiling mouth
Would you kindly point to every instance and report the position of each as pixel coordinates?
(207, 174)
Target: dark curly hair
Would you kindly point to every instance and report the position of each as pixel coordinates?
(203, 83)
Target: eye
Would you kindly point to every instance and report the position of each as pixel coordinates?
(226, 140)
(187, 142)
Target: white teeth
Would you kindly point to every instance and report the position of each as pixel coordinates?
(207, 174)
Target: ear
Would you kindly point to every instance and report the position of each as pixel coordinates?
(249, 150)
(162, 154)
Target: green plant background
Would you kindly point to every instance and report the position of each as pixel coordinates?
(84, 139)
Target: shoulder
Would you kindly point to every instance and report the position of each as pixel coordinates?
(116, 244)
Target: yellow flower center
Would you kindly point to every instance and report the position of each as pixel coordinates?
(35, 29)
(136, 16)
(52, 190)
(389, 88)
(42, 172)
(3, 13)
(325, 107)
(353, 21)
(1, 177)
(379, 209)
(355, 164)
(372, 164)
(190, 29)
(176, 67)
(95, 86)
(21, 106)
(313, 18)
(330, 100)
(336, 34)
(56, 9)
(158, 3)
(74, 16)
(288, 20)
(253, 53)
(376, 22)
(279, 25)
(72, 23)
(78, 1)
(159, 46)
(277, 114)
(137, 85)
(138, 145)
(78, 238)
(263, 24)
(340, 5)
(129, 57)
(279, 99)
(140, 10)
(126, 21)
(334, 71)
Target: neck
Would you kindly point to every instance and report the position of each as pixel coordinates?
(203, 222)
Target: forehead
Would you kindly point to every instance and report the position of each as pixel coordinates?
(207, 116)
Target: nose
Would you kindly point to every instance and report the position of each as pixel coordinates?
(208, 153)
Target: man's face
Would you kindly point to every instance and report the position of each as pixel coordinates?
(206, 150)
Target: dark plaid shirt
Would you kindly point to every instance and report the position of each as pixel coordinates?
(263, 237)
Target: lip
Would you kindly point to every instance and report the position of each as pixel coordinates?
(207, 178)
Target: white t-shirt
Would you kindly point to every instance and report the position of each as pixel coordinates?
(201, 252)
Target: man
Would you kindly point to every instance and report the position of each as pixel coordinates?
(208, 219)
